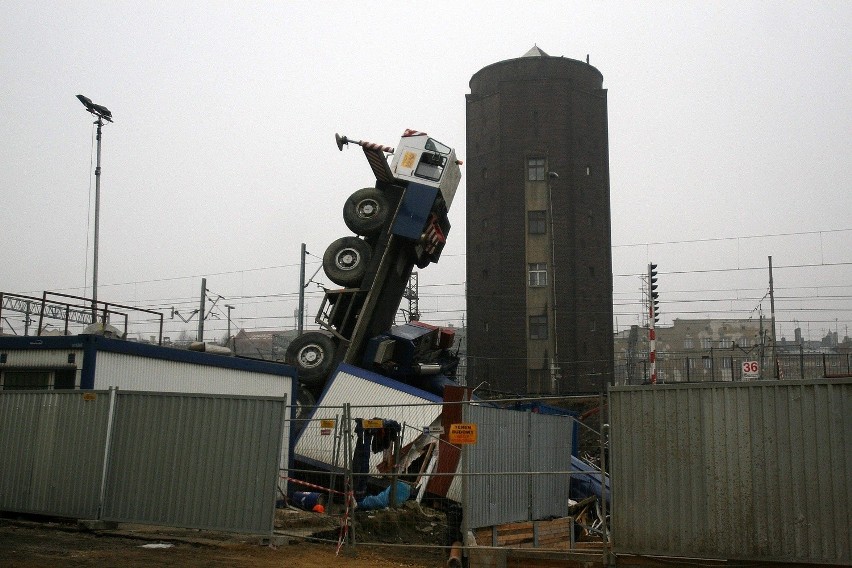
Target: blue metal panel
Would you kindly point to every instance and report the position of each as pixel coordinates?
(414, 210)
(88, 366)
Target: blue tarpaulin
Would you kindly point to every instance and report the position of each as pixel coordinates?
(586, 483)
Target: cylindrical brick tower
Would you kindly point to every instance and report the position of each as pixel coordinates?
(539, 260)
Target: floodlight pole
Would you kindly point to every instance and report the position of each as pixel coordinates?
(100, 112)
(99, 123)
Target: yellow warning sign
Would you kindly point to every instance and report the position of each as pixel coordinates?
(373, 423)
(90, 396)
(407, 161)
(327, 423)
(462, 434)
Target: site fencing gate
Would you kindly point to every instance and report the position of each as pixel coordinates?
(176, 459)
(517, 468)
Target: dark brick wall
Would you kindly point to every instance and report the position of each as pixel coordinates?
(555, 108)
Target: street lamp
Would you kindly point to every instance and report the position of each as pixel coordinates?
(554, 362)
(102, 113)
(230, 340)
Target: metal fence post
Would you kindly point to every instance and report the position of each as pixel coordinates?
(113, 391)
(602, 436)
(349, 484)
(712, 367)
(529, 466)
(463, 466)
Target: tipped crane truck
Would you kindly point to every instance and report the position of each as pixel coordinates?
(398, 224)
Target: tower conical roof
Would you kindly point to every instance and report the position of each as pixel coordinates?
(535, 51)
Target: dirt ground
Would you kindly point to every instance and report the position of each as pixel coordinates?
(31, 543)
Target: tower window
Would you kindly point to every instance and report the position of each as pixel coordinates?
(538, 327)
(537, 221)
(535, 169)
(538, 274)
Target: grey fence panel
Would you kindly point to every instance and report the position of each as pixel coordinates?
(52, 448)
(550, 452)
(758, 471)
(513, 469)
(200, 461)
(502, 446)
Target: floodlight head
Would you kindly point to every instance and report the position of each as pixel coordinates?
(87, 102)
(97, 110)
(103, 112)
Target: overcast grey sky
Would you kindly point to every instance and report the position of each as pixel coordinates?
(726, 120)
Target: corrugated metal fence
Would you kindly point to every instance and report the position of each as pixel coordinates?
(189, 460)
(52, 452)
(757, 471)
(519, 468)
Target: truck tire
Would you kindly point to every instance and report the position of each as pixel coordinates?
(345, 261)
(304, 407)
(312, 354)
(365, 211)
(305, 403)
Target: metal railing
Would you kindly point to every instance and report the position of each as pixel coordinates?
(717, 365)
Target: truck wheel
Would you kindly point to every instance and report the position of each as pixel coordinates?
(345, 261)
(312, 354)
(305, 403)
(365, 211)
(304, 407)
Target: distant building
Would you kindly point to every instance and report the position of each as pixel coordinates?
(539, 264)
(690, 350)
(712, 350)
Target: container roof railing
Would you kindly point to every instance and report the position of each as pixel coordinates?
(71, 309)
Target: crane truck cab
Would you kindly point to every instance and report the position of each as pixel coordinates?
(421, 159)
(400, 223)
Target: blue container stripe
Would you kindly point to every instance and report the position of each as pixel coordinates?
(89, 364)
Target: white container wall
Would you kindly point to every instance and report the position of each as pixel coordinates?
(370, 396)
(134, 372)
